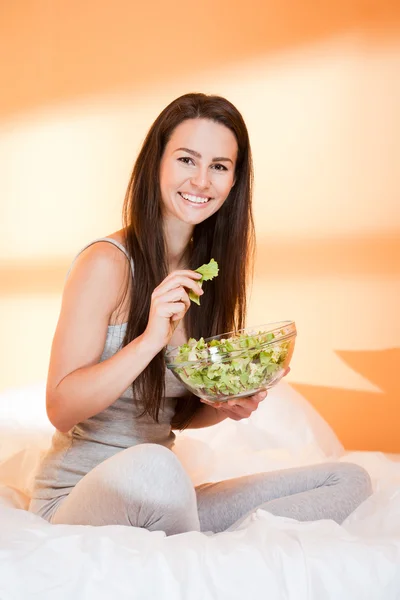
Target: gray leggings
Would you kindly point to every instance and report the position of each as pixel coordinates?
(146, 486)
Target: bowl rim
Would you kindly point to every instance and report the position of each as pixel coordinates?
(293, 333)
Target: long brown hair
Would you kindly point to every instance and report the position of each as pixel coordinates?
(227, 236)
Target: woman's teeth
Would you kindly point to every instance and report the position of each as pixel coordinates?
(194, 199)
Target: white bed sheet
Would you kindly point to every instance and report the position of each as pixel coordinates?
(266, 557)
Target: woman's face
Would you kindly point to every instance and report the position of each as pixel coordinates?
(197, 170)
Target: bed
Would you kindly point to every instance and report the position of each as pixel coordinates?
(265, 557)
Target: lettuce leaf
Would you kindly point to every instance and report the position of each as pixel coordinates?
(208, 272)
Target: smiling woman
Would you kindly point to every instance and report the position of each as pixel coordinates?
(197, 181)
(108, 394)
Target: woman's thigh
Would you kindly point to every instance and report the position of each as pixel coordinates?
(143, 486)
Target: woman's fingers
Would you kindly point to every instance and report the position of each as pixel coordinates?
(174, 281)
(174, 310)
(236, 412)
(185, 273)
(239, 408)
(178, 294)
(173, 304)
(251, 402)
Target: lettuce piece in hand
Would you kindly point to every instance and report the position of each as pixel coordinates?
(207, 272)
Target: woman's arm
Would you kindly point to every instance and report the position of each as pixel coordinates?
(206, 416)
(78, 386)
(236, 409)
(90, 390)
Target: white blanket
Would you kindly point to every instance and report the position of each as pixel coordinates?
(266, 557)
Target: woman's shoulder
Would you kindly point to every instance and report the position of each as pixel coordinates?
(118, 236)
(101, 260)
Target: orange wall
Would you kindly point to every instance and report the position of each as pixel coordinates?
(319, 89)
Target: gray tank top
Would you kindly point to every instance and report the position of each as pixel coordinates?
(73, 454)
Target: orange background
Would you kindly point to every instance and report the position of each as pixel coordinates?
(319, 87)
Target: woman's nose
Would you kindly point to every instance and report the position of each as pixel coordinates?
(201, 178)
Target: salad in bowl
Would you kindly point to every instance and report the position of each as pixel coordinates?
(234, 364)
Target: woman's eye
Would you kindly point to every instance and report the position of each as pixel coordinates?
(187, 160)
(184, 159)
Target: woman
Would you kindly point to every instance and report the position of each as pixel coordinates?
(111, 400)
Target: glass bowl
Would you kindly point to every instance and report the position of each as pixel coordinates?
(234, 364)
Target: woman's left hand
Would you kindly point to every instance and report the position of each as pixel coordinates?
(240, 408)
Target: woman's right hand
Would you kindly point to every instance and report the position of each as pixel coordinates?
(169, 303)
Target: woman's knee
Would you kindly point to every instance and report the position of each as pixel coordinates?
(358, 478)
(151, 473)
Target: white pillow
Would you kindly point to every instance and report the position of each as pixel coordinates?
(25, 434)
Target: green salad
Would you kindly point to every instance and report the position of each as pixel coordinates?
(230, 366)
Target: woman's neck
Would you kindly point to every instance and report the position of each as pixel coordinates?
(177, 238)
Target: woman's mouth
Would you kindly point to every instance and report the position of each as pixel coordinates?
(198, 200)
